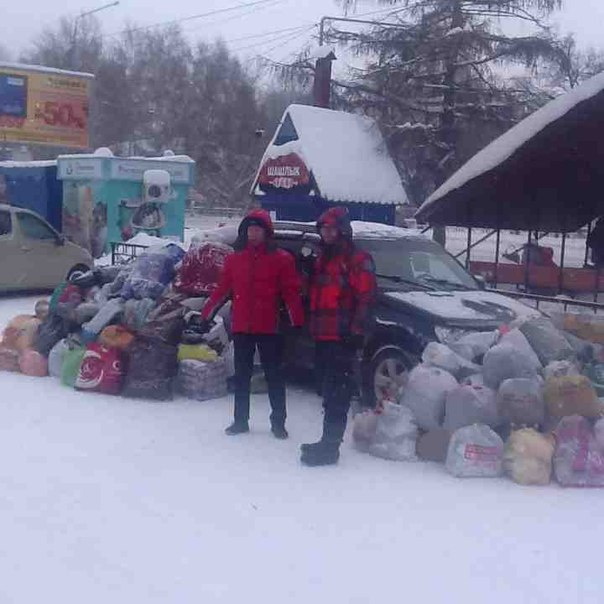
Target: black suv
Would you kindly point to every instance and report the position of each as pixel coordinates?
(424, 295)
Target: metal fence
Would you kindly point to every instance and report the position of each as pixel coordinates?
(548, 303)
(122, 253)
(218, 212)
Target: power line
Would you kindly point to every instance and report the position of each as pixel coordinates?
(211, 13)
(291, 40)
(278, 38)
(268, 33)
(248, 11)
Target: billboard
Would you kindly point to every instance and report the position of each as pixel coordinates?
(44, 106)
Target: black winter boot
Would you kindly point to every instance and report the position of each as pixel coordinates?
(237, 428)
(279, 432)
(322, 453)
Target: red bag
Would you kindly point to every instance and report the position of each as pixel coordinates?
(32, 363)
(201, 268)
(578, 460)
(102, 370)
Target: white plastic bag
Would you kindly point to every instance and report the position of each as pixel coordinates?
(578, 459)
(364, 427)
(202, 381)
(467, 405)
(441, 356)
(504, 362)
(477, 379)
(520, 402)
(475, 452)
(473, 346)
(55, 358)
(517, 340)
(395, 434)
(425, 394)
(549, 343)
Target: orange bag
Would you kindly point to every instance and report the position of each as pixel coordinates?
(9, 360)
(116, 336)
(571, 395)
(585, 327)
(20, 333)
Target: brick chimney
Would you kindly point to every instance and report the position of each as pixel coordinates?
(322, 82)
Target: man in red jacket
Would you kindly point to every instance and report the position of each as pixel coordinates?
(342, 293)
(257, 278)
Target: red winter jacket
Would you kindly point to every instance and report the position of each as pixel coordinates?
(342, 293)
(257, 279)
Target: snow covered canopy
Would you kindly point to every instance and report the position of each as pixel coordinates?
(546, 173)
(345, 154)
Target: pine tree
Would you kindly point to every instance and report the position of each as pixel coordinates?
(441, 82)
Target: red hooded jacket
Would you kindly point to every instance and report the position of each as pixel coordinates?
(343, 287)
(258, 279)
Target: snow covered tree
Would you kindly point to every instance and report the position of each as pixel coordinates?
(220, 114)
(154, 90)
(574, 64)
(441, 80)
(65, 47)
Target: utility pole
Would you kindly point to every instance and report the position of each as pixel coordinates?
(74, 36)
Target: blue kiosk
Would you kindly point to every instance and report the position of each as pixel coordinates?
(33, 185)
(320, 158)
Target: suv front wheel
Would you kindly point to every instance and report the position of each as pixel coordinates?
(387, 373)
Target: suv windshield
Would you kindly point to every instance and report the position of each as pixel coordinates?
(416, 262)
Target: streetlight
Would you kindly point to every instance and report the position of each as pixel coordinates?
(75, 27)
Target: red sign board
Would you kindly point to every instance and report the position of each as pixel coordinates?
(287, 172)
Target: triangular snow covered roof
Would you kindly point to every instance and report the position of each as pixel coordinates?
(531, 139)
(346, 154)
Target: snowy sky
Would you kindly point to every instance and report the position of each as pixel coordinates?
(22, 20)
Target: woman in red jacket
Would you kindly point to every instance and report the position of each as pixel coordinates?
(257, 278)
(342, 293)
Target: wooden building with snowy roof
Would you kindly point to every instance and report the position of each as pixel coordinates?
(319, 158)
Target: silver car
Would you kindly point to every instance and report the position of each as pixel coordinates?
(33, 255)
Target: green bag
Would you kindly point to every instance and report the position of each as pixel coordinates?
(72, 360)
(56, 295)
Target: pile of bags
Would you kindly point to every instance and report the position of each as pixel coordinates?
(129, 329)
(520, 401)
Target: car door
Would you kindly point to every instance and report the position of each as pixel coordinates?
(42, 258)
(11, 272)
(299, 345)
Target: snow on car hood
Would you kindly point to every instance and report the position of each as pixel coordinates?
(466, 305)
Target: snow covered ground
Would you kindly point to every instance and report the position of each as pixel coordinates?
(104, 499)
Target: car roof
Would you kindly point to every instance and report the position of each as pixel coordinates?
(363, 231)
(14, 209)
(4, 207)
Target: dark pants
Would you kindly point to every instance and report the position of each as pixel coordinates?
(336, 368)
(270, 348)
